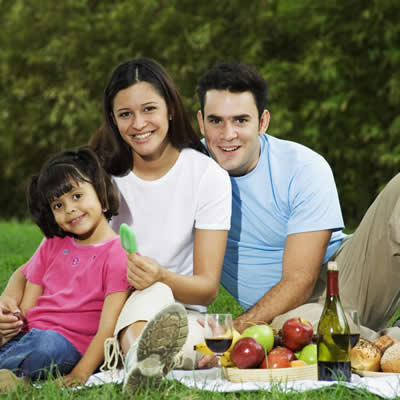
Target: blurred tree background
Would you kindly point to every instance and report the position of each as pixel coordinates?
(333, 68)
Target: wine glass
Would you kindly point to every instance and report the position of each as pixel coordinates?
(218, 334)
(353, 320)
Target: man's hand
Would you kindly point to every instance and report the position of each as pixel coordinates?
(241, 323)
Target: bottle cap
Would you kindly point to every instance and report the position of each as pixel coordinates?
(332, 266)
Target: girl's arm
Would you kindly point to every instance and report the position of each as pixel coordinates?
(94, 355)
(199, 288)
(10, 300)
(31, 294)
(15, 286)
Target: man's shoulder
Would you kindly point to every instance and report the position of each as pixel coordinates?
(293, 152)
(279, 144)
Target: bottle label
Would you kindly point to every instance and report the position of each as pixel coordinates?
(334, 371)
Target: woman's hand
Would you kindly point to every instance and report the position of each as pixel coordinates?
(71, 380)
(142, 271)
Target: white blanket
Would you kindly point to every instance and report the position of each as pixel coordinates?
(387, 386)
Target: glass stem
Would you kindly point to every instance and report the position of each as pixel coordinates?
(220, 373)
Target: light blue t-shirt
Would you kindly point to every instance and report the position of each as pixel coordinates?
(291, 190)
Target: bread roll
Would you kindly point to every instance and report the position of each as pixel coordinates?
(365, 356)
(384, 342)
(391, 359)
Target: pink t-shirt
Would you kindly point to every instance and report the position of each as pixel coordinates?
(75, 279)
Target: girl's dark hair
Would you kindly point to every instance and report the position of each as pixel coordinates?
(115, 154)
(235, 77)
(57, 177)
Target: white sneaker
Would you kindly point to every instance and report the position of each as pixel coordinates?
(153, 353)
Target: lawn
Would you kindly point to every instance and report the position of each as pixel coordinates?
(17, 243)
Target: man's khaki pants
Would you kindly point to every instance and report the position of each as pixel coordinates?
(369, 268)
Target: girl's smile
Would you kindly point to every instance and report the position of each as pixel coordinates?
(80, 212)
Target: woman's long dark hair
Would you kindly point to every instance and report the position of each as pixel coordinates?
(116, 155)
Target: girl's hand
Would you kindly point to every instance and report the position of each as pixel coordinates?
(10, 320)
(142, 271)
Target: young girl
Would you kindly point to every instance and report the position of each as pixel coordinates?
(76, 281)
(177, 201)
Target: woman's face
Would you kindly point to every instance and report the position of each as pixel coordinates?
(141, 115)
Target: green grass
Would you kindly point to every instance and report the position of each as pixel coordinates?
(18, 241)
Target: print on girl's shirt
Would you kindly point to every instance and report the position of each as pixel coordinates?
(75, 261)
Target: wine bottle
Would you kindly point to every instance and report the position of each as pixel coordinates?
(333, 333)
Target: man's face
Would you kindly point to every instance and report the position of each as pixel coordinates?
(231, 127)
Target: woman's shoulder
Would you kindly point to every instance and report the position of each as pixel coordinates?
(204, 172)
(200, 160)
(122, 178)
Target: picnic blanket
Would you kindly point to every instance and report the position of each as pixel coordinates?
(386, 386)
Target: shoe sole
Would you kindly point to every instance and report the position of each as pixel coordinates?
(162, 339)
(9, 381)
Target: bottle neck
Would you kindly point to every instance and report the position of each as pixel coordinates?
(333, 283)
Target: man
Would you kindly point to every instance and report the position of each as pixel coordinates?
(286, 218)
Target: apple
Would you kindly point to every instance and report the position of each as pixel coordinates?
(247, 353)
(296, 333)
(263, 364)
(262, 333)
(284, 350)
(308, 354)
(279, 357)
(277, 361)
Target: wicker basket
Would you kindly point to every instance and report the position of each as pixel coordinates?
(277, 375)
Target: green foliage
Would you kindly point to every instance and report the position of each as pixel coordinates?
(333, 69)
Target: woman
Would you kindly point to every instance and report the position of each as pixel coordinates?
(177, 201)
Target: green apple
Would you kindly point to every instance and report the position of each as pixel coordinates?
(262, 333)
(308, 354)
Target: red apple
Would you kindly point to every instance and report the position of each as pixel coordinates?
(247, 353)
(296, 333)
(284, 350)
(279, 357)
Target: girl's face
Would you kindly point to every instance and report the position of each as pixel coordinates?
(80, 213)
(141, 115)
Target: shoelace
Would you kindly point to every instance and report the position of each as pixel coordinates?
(111, 355)
(178, 360)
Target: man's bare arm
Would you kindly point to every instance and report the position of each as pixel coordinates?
(302, 259)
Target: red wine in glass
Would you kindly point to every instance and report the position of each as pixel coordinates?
(218, 345)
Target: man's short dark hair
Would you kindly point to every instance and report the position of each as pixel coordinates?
(236, 78)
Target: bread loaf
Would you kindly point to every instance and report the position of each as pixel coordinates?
(391, 359)
(384, 342)
(365, 356)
